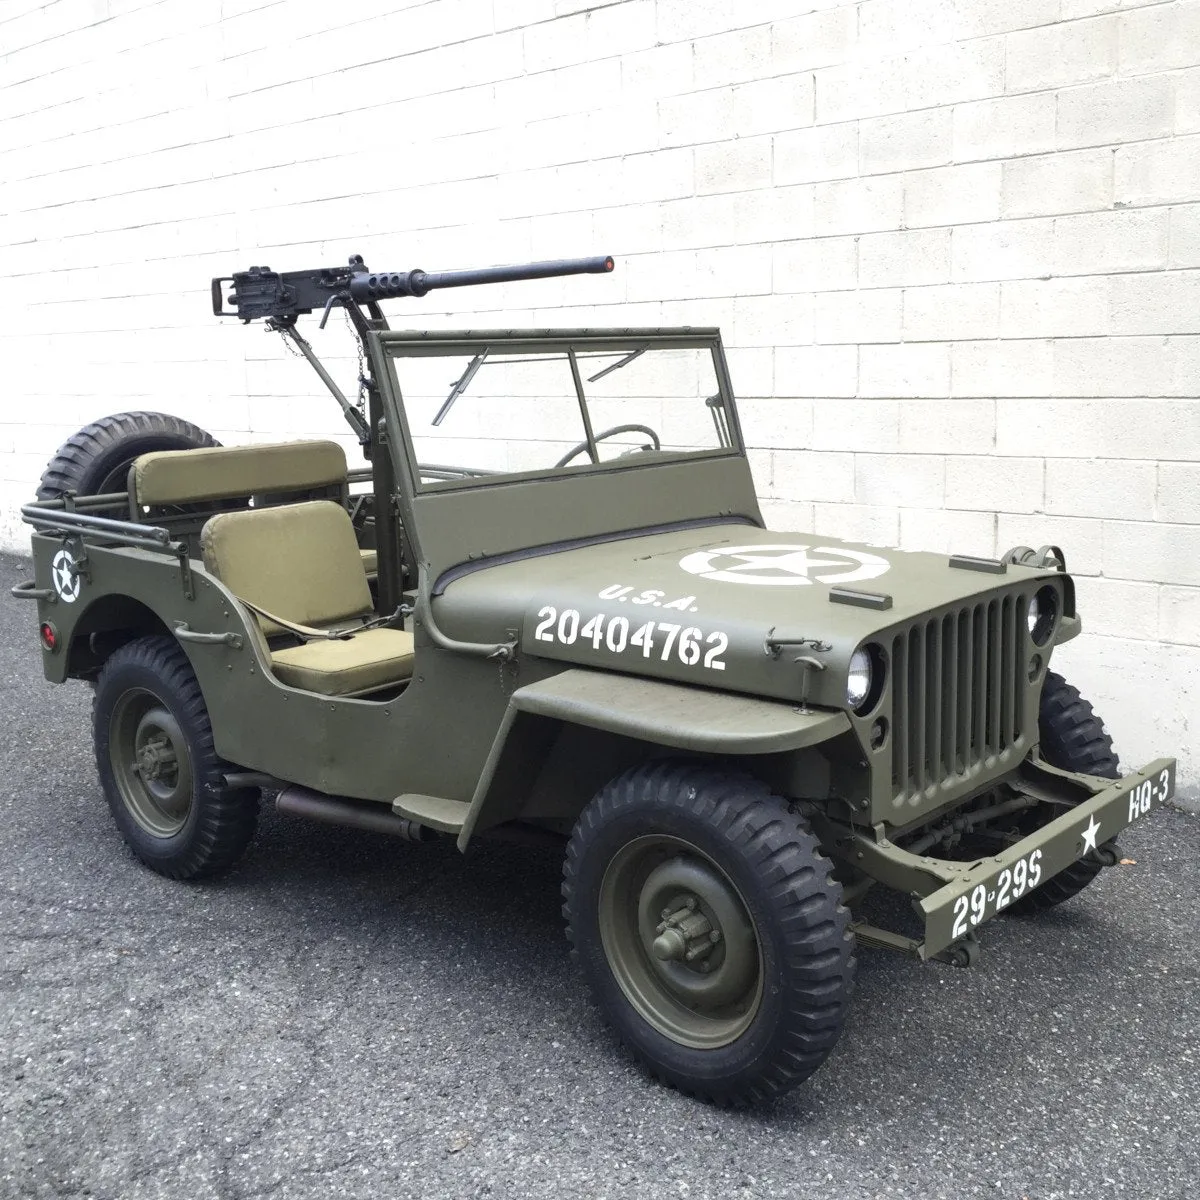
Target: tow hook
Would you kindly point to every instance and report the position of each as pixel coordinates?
(1109, 854)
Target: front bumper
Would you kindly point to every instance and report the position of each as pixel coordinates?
(955, 898)
(989, 885)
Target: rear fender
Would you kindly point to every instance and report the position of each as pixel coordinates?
(612, 721)
(106, 624)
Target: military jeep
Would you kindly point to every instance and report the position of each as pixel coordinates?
(547, 610)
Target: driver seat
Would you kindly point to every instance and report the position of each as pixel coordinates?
(300, 563)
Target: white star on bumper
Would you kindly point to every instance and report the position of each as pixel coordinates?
(1089, 835)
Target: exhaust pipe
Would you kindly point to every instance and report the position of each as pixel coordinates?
(296, 801)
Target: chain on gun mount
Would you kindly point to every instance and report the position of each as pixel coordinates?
(280, 298)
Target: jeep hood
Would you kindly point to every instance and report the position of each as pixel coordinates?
(698, 604)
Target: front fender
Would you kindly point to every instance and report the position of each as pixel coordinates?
(673, 715)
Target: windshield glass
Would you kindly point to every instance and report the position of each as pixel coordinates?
(504, 409)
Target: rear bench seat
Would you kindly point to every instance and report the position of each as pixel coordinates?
(228, 472)
(171, 477)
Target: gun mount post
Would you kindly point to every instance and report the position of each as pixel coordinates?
(352, 415)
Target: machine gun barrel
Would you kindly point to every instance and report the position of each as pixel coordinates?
(370, 286)
(261, 293)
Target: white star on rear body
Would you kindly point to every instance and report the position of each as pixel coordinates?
(1089, 835)
(64, 574)
(795, 563)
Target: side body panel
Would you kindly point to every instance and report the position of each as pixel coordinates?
(427, 739)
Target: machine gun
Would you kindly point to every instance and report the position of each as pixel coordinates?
(282, 297)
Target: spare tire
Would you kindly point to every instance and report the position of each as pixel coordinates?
(97, 459)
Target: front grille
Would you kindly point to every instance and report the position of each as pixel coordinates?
(958, 695)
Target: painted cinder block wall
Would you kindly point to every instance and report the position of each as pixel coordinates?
(954, 247)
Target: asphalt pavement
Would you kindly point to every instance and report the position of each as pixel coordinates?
(351, 1016)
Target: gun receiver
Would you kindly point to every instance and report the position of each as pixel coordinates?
(284, 296)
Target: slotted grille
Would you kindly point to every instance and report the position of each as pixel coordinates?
(957, 694)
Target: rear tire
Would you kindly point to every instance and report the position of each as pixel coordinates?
(96, 460)
(160, 773)
(1073, 738)
(737, 1018)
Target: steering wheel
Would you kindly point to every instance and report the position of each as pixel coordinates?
(599, 437)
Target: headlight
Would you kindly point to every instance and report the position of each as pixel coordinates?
(1043, 612)
(859, 681)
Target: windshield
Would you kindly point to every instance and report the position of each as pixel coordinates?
(480, 409)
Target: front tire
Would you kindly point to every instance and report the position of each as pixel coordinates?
(160, 773)
(665, 857)
(1072, 738)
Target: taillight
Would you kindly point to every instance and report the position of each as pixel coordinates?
(49, 636)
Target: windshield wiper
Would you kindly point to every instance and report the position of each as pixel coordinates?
(462, 384)
(716, 406)
(621, 362)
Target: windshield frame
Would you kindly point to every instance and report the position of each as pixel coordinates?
(398, 344)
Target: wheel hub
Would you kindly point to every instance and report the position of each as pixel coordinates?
(686, 935)
(156, 759)
(151, 763)
(680, 941)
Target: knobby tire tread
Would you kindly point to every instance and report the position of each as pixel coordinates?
(73, 465)
(816, 956)
(226, 818)
(1073, 738)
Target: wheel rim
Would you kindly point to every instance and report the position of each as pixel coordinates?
(115, 480)
(680, 941)
(151, 763)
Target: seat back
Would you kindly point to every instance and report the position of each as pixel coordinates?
(298, 561)
(225, 472)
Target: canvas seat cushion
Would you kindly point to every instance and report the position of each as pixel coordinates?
(367, 661)
(224, 472)
(299, 561)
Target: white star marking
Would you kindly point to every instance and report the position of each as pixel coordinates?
(64, 577)
(784, 565)
(1089, 835)
(796, 563)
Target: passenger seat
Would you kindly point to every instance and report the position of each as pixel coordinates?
(301, 563)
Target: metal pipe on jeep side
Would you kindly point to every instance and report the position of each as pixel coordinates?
(300, 801)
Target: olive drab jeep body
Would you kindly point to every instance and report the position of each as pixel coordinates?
(548, 609)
